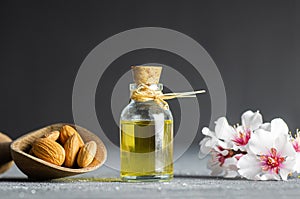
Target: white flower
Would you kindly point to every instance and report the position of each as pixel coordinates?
(227, 136)
(250, 122)
(270, 155)
(227, 144)
(223, 163)
(209, 143)
(296, 144)
(238, 137)
(297, 164)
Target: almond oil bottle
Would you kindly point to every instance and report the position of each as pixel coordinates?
(146, 130)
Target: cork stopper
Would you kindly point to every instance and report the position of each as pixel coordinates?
(146, 74)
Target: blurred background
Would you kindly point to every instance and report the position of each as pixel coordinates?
(255, 45)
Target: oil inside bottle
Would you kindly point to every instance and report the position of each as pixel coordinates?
(146, 150)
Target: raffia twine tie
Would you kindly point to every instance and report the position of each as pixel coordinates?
(144, 93)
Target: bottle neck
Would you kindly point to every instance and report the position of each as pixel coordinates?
(154, 87)
(142, 93)
(148, 93)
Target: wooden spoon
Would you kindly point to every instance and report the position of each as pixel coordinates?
(36, 168)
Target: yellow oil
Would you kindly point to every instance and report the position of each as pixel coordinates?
(146, 150)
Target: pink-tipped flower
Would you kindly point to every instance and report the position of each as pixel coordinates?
(227, 144)
(238, 137)
(223, 163)
(270, 156)
(272, 162)
(243, 136)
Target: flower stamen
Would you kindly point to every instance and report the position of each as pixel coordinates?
(296, 141)
(272, 162)
(242, 138)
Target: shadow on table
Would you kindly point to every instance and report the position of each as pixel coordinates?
(7, 179)
(16, 179)
(207, 177)
(60, 180)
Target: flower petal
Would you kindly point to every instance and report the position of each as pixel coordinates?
(204, 149)
(249, 166)
(279, 127)
(223, 152)
(269, 176)
(230, 162)
(288, 167)
(230, 174)
(223, 130)
(261, 142)
(214, 165)
(284, 174)
(224, 145)
(207, 144)
(297, 164)
(266, 126)
(216, 170)
(252, 120)
(284, 147)
(290, 164)
(207, 132)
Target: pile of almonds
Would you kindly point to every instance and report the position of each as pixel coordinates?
(64, 147)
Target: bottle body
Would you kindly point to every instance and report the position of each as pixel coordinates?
(146, 141)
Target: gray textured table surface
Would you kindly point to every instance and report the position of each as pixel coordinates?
(191, 181)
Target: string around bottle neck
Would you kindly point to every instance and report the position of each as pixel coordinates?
(145, 93)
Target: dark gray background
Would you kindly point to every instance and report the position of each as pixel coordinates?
(255, 45)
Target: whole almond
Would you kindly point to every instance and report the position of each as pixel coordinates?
(53, 135)
(49, 150)
(71, 148)
(67, 131)
(87, 154)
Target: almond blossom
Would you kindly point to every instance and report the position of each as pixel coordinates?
(227, 144)
(227, 136)
(239, 136)
(223, 163)
(270, 155)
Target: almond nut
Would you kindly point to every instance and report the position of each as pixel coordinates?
(71, 148)
(49, 150)
(53, 135)
(67, 131)
(86, 154)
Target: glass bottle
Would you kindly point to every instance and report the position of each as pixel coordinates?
(146, 140)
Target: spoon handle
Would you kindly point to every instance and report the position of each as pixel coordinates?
(5, 155)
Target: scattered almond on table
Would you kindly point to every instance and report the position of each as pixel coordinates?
(64, 147)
